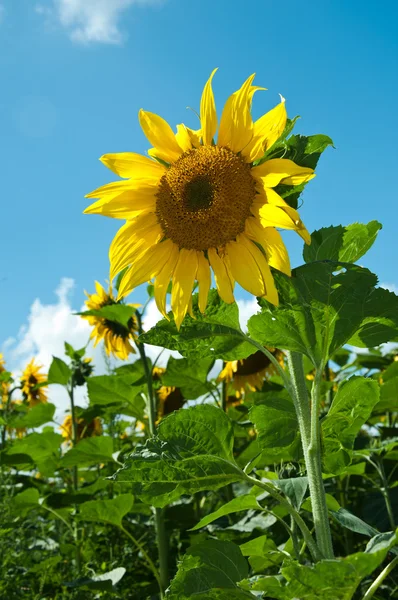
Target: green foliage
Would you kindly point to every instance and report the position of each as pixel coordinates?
(117, 391)
(89, 451)
(34, 417)
(247, 502)
(117, 313)
(59, 372)
(189, 375)
(107, 511)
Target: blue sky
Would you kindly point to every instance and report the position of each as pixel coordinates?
(75, 73)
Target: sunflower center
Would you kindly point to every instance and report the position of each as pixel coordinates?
(204, 198)
(253, 364)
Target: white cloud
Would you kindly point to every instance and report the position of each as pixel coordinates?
(90, 21)
(391, 287)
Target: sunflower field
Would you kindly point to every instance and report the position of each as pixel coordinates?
(259, 462)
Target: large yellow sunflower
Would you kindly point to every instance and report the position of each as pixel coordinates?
(117, 338)
(198, 205)
(249, 373)
(30, 378)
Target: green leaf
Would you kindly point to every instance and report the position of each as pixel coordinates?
(189, 375)
(262, 553)
(294, 488)
(216, 334)
(89, 451)
(344, 244)
(350, 521)
(36, 416)
(105, 390)
(276, 424)
(206, 569)
(351, 407)
(103, 582)
(388, 396)
(107, 511)
(379, 321)
(319, 309)
(245, 502)
(24, 502)
(191, 452)
(59, 372)
(117, 313)
(42, 448)
(72, 353)
(331, 503)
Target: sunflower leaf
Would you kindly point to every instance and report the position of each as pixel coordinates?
(89, 451)
(59, 372)
(34, 417)
(107, 511)
(116, 313)
(189, 375)
(191, 452)
(216, 334)
(345, 244)
(321, 307)
(380, 320)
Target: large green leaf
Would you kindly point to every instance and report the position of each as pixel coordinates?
(104, 582)
(189, 375)
(34, 417)
(379, 321)
(350, 521)
(320, 309)
(107, 511)
(42, 448)
(117, 390)
(23, 502)
(245, 502)
(59, 372)
(207, 569)
(191, 452)
(345, 244)
(351, 407)
(262, 553)
(89, 451)
(216, 334)
(117, 313)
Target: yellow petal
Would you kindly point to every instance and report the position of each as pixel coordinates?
(160, 135)
(145, 267)
(281, 170)
(208, 115)
(204, 279)
(277, 216)
(236, 125)
(244, 268)
(129, 164)
(266, 131)
(183, 279)
(271, 293)
(126, 205)
(133, 239)
(271, 240)
(118, 187)
(183, 138)
(223, 281)
(195, 136)
(163, 279)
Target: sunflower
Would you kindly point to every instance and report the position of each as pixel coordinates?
(84, 429)
(170, 398)
(4, 385)
(31, 377)
(198, 205)
(249, 373)
(117, 338)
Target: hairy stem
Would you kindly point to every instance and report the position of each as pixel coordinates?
(162, 541)
(308, 420)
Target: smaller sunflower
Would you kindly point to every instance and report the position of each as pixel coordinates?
(169, 398)
(117, 338)
(32, 377)
(4, 385)
(249, 373)
(85, 429)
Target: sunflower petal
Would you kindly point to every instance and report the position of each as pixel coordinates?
(223, 281)
(204, 279)
(281, 170)
(266, 131)
(126, 205)
(183, 279)
(145, 267)
(183, 138)
(236, 125)
(244, 268)
(284, 217)
(129, 164)
(271, 293)
(208, 114)
(163, 279)
(271, 240)
(160, 135)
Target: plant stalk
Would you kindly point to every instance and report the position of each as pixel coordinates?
(379, 580)
(161, 538)
(308, 420)
(75, 475)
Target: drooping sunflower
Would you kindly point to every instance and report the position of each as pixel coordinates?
(249, 373)
(117, 338)
(84, 429)
(30, 378)
(169, 398)
(198, 205)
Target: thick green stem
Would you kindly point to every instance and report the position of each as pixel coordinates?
(162, 541)
(75, 476)
(313, 548)
(308, 420)
(379, 580)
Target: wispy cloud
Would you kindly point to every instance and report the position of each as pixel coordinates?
(91, 21)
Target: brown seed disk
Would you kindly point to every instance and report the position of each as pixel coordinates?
(204, 198)
(253, 364)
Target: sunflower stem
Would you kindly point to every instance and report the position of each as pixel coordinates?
(160, 529)
(308, 421)
(75, 475)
